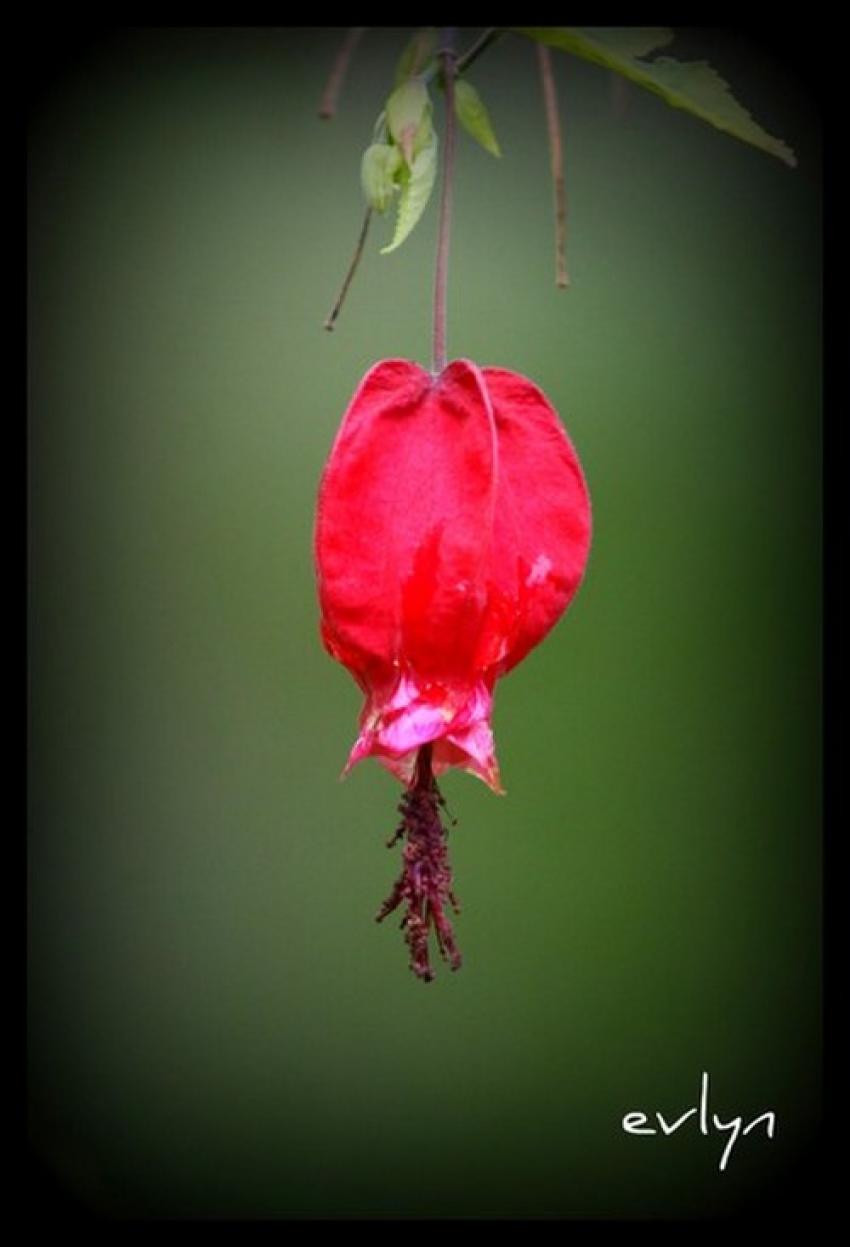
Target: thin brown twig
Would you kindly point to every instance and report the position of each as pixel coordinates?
(330, 95)
(352, 268)
(556, 161)
(462, 64)
(472, 54)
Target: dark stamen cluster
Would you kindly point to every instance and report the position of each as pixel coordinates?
(425, 883)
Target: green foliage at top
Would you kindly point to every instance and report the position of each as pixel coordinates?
(694, 86)
(402, 158)
(401, 163)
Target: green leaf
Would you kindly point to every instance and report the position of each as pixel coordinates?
(378, 168)
(416, 187)
(379, 133)
(405, 110)
(631, 40)
(693, 86)
(425, 132)
(416, 55)
(473, 116)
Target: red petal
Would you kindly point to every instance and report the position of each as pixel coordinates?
(543, 523)
(405, 521)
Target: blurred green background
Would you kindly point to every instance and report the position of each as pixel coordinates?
(217, 1026)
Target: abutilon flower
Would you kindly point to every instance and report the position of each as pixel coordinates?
(452, 531)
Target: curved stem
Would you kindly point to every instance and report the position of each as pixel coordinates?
(447, 59)
(480, 45)
(327, 107)
(352, 268)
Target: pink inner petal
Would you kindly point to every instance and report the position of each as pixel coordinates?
(396, 723)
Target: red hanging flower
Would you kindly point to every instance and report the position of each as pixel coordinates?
(452, 532)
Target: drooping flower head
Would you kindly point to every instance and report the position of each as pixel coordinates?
(453, 530)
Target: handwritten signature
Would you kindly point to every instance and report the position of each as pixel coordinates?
(637, 1123)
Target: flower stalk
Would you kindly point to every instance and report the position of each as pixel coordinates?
(448, 62)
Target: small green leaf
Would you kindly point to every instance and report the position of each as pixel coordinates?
(379, 133)
(693, 86)
(473, 116)
(416, 55)
(378, 168)
(416, 187)
(405, 109)
(425, 131)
